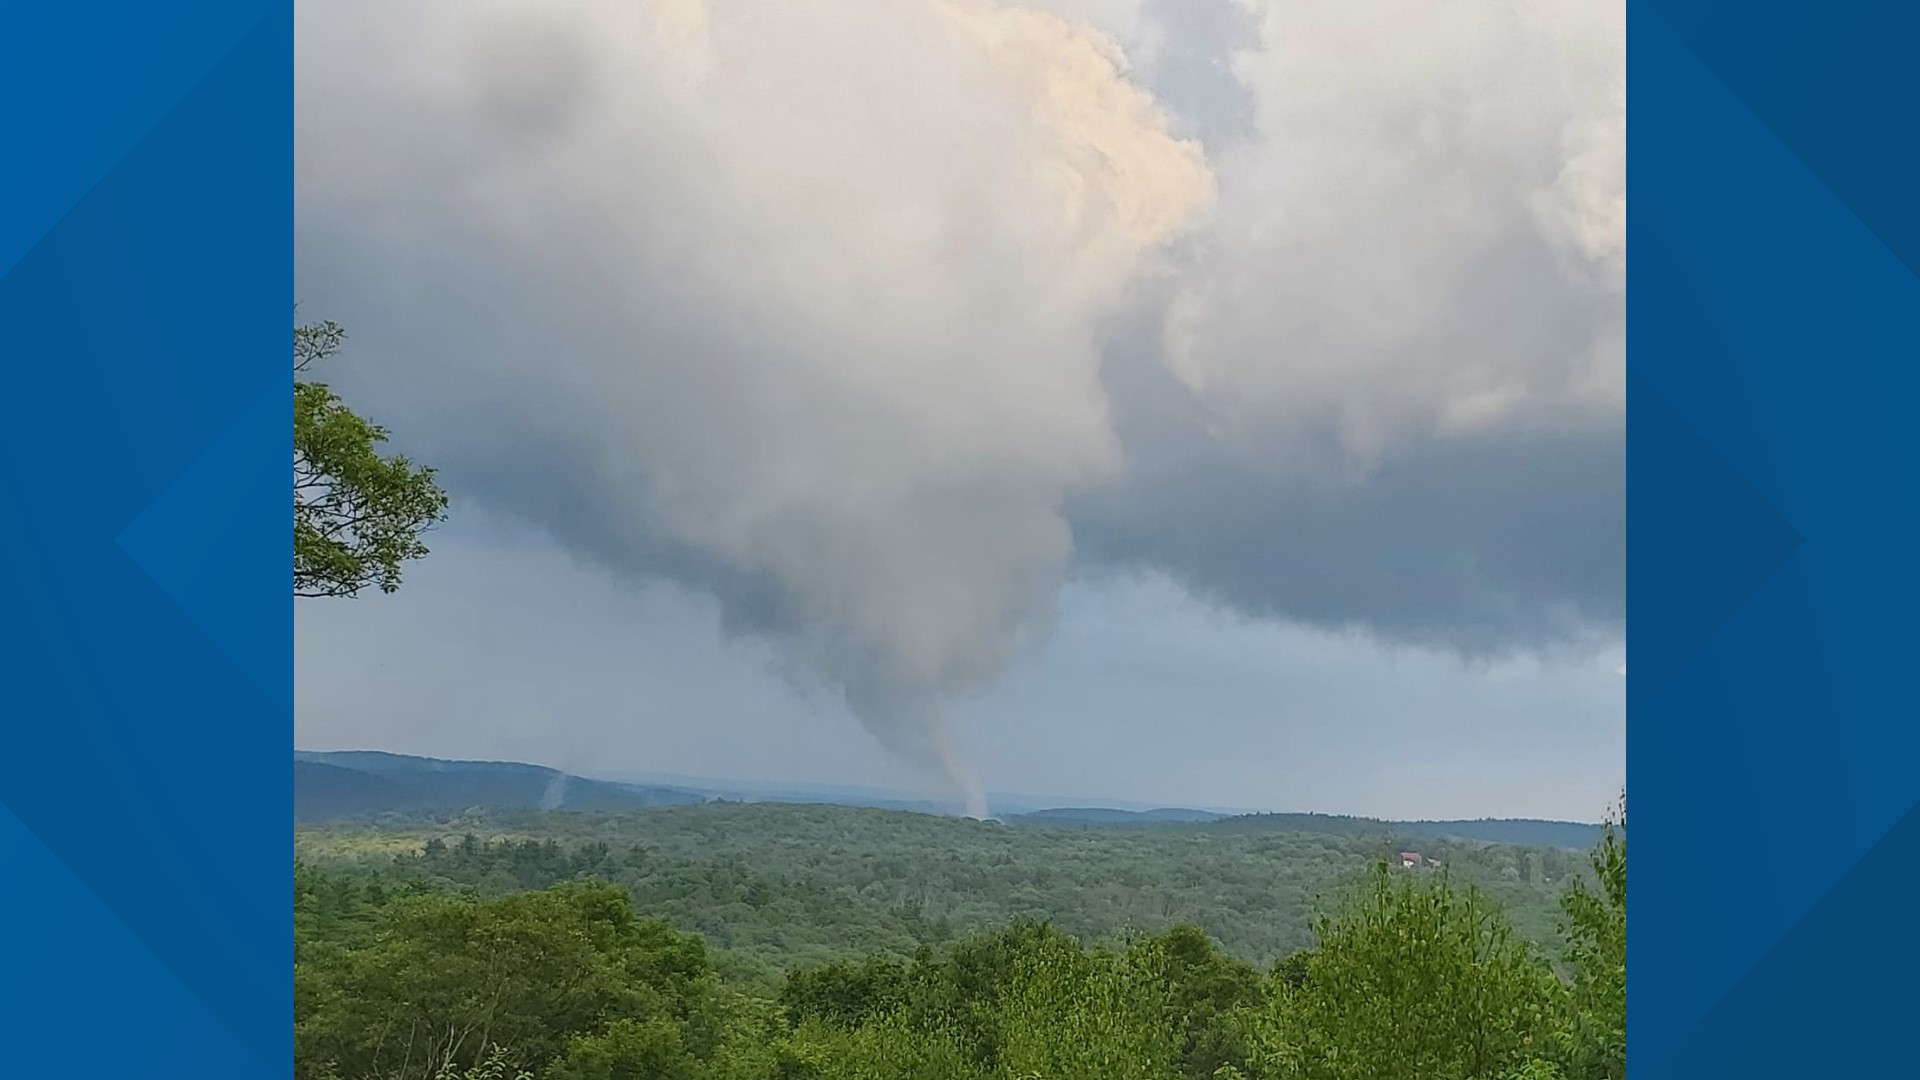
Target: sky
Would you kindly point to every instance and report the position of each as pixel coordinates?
(1215, 403)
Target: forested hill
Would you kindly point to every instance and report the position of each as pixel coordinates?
(1565, 835)
(1100, 815)
(360, 783)
(779, 884)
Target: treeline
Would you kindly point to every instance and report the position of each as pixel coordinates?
(779, 886)
(1412, 977)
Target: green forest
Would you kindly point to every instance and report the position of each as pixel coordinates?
(772, 886)
(781, 942)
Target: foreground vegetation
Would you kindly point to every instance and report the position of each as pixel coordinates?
(1406, 976)
(772, 887)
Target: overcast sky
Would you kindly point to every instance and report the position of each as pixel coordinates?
(1215, 403)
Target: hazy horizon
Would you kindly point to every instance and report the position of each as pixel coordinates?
(774, 789)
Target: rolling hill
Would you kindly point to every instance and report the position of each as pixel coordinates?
(363, 783)
(1104, 816)
(1565, 835)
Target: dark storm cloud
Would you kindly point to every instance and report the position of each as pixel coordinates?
(1489, 545)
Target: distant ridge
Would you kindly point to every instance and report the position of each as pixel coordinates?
(362, 783)
(1100, 815)
(359, 783)
(1531, 832)
(1571, 835)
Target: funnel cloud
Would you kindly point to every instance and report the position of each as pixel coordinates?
(881, 321)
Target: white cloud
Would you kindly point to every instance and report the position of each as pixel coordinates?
(1426, 236)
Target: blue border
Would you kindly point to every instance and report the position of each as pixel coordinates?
(1774, 545)
(145, 298)
(145, 269)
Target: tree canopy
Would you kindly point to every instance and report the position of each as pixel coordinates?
(357, 514)
(776, 886)
(1406, 975)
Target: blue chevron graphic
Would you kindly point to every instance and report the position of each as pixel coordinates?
(90, 83)
(1774, 460)
(94, 971)
(144, 257)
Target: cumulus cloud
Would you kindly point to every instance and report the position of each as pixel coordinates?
(1385, 392)
(880, 318)
(1426, 235)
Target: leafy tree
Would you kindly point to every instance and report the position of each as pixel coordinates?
(890, 1048)
(1597, 951)
(441, 982)
(357, 515)
(628, 1050)
(1209, 994)
(1067, 1014)
(845, 993)
(1411, 981)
